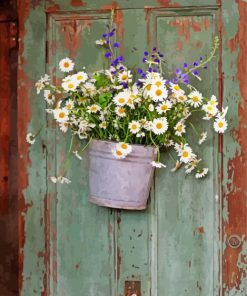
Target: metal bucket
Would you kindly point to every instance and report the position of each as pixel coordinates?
(121, 184)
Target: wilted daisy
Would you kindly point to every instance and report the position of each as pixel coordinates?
(80, 77)
(30, 138)
(66, 65)
(103, 125)
(69, 104)
(49, 97)
(179, 128)
(159, 125)
(126, 148)
(201, 173)
(119, 154)
(195, 98)
(69, 85)
(120, 111)
(222, 113)
(60, 179)
(186, 154)
(158, 164)
(61, 115)
(125, 76)
(93, 108)
(40, 84)
(191, 165)
(140, 135)
(77, 155)
(203, 137)
(164, 107)
(134, 126)
(220, 125)
(89, 89)
(121, 98)
(158, 94)
(64, 126)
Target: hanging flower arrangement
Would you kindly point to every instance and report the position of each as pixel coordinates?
(128, 108)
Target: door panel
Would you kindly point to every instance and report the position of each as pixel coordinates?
(174, 247)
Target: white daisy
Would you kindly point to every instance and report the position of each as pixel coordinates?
(195, 98)
(125, 76)
(124, 147)
(158, 165)
(140, 135)
(66, 65)
(210, 109)
(159, 125)
(60, 179)
(176, 89)
(93, 108)
(134, 126)
(164, 107)
(213, 101)
(49, 97)
(169, 143)
(69, 104)
(203, 137)
(77, 155)
(120, 111)
(153, 75)
(201, 173)
(186, 154)
(182, 98)
(158, 82)
(69, 85)
(61, 115)
(121, 98)
(220, 125)
(80, 77)
(103, 125)
(119, 154)
(158, 94)
(30, 138)
(64, 126)
(179, 128)
(222, 113)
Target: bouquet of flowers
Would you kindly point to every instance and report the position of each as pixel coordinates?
(147, 106)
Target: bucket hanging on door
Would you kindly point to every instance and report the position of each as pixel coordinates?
(120, 183)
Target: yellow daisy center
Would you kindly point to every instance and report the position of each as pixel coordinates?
(69, 106)
(93, 108)
(79, 77)
(179, 128)
(121, 100)
(148, 87)
(210, 108)
(124, 146)
(158, 92)
(50, 96)
(61, 115)
(220, 124)
(70, 85)
(185, 154)
(158, 83)
(159, 125)
(121, 110)
(164, 107)
(177, 87)
(124, 77)
(134, 126)
(82, 99)
(195, 99)
(66, 64)
(119, 153)
(181, 98)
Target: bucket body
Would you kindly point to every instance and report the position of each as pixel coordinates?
(120, 183)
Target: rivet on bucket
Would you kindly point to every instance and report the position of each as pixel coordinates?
(122, 184)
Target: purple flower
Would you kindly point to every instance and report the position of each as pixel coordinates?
(154, 49)
(195, 72)
(125, 85)
(184, 76)
(121, 68)
(144, 60)
(178, 71)
(108, 55)
(144, 75)
(105, 35)
(175, 80)
(120, 58)
(186, 81)
(139, 71)
(196, 63)
(116, 45)
(139, 83)
(161, 55)
(150, 69)
(145, 53)
(200, 58)
(185, 65)
(157, 60)
(169, 92)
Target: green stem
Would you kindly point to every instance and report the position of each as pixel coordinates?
(194, 129)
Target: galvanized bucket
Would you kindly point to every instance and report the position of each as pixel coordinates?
(121, 184)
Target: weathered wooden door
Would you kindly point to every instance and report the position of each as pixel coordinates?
(190, 241)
